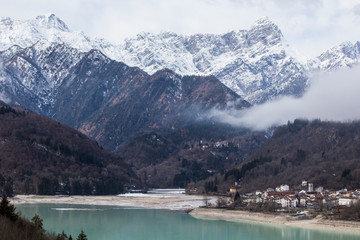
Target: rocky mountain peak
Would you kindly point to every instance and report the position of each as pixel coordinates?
(8, 22)
(264, 21)
(345, 54)
(350, 50)
(256, 63)
(96, 55)
(265, 32)
(49, 27)
(51, 21)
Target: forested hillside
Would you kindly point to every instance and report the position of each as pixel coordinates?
(326, 154)
(42, 156)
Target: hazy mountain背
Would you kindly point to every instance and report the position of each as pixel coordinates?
(258, 63)
(42, 156)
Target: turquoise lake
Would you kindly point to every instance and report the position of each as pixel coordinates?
(110, 223)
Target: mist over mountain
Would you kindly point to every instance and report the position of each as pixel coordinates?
(332, 96)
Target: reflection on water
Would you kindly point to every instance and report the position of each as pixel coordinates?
(106, 222)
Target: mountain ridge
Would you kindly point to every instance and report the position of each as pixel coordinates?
(106, 99)
(257, 63)
(71, 78)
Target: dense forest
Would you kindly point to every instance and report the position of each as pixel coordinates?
(189, 154)
(42, 156)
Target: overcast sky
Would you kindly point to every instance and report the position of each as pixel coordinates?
(311, 26)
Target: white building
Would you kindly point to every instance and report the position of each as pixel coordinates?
(303, 201)
(304, 183)
(289, 202)
(310, 187)
(347, 201)
(284, 188)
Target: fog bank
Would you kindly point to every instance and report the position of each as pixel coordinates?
(333, 96)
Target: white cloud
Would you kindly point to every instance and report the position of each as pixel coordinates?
(332, 96)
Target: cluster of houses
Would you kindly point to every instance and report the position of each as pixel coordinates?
(306, 197)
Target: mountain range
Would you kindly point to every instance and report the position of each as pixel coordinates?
(257, 64)
(144, 98)
(105, 99)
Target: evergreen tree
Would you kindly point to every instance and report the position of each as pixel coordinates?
(237, 197)
(82, 236)
(7, 209)
(62, 236)
(70, 238)
(38, 222)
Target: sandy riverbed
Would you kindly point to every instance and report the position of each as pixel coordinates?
(243, 216)
(155, 201)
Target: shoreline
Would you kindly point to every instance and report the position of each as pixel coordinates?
(317, 223)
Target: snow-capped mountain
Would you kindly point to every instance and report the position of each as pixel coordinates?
(105, 99)
(254, 63)
(258, 63)
(31, 76)
(49, 28)
(343, 55)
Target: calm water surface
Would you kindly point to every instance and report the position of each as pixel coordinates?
(106, 222)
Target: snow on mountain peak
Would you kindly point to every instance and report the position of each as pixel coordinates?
(46, 27)
(257, 63)
(250, 62)
(6, 21)
(265, 20)
(345, 54)
(51, 21)
(265, 31)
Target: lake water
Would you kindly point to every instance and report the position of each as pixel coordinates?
(110, 223)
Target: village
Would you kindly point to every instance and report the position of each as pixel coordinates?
(305, 197)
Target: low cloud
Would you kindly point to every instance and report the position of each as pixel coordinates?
(333, 96)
